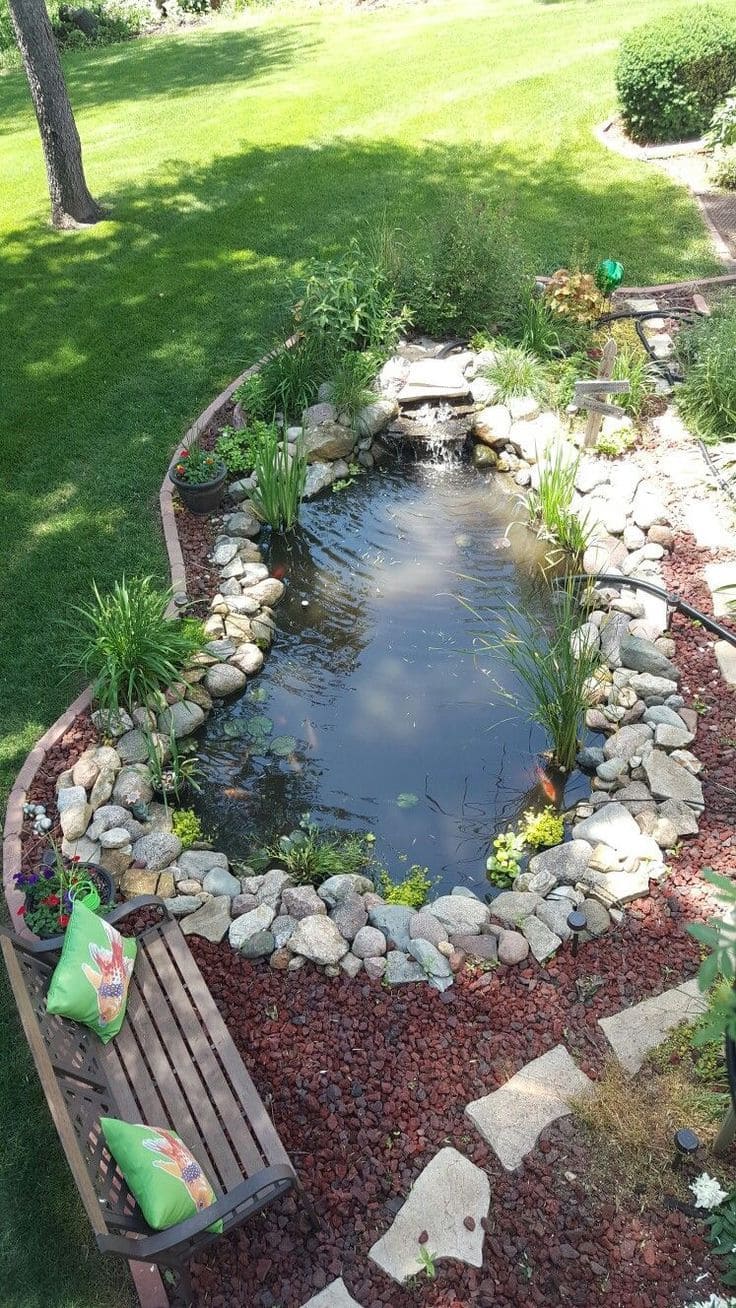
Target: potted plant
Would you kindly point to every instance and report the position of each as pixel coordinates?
(199, 476)
(50, 892)
(174, 767)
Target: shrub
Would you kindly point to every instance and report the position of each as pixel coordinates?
(540, 830)
(287, 382)
(549, 333)
(671, 73)
(574, 295)
(350, 382)
(722, 131)
(722, 170)
(462, 272)
(238, 447)
(281, 477)
(412, 892)
(126, 642)
(707, 396)
(187, 826)
(351, 304)
(109, 21)
(515, 372)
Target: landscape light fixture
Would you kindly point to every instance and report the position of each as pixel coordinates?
(577, 922)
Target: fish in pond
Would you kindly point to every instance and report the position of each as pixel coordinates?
(548, 786)
(310, 734)
(236, 792)
(279, 571)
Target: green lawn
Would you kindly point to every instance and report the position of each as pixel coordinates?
(229, 155)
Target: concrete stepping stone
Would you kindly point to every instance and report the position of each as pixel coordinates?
(512, 1118)
(333, 1296)
(635, 1031)
(450, 1192)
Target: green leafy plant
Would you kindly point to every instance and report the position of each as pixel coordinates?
(551, 664)
(287, 382)
(572, 294)
(128, 645)
(549, 506)
(197, 466)
(281, 478)
(350, 304)
(707, 397)
(187, 826)
(672, 72)
(412, 891)
(238, 447)
(722, 131)
(311, 856)
(427, 1260)
(722, 1234)
(615, 443)
(515, 371)
(503, 863)
(173, 765)
(632, 364)
(722, 171)
(718, 968)
(462, 271)
(548, 333)
(49, 892)
(542, 829)
(350, 382)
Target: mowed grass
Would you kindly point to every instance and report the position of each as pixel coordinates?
(228, 156)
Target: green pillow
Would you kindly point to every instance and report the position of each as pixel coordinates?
(166, 1179)
(91, 979)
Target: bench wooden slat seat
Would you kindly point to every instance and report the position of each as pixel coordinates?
(174, 1064)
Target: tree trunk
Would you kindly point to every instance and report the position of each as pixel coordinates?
(71, 203)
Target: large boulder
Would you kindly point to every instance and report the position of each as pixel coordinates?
(643, 656)
(460, 914)
(318, 939)
(181, 718)
(565, 863)
(211, 921)
(393, 920)
(327, 442)
(342, 884)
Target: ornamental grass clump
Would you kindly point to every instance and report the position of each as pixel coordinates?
(281, 477)
(514, 372)
(550, 506)
(707, 397)
(128, 645)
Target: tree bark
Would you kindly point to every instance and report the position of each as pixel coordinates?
(71, 203)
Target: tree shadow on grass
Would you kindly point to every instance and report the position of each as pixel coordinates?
(164, 68)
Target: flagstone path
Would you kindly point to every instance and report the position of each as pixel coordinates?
(333, 1296)
(635, 1031)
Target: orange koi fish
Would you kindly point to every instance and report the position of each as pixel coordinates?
(183, 1166)
(547, 784)
(111, 982)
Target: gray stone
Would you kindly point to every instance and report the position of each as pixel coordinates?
(393, 920)
(611, 825)
(374, 968)
(459, 913)
(669, 780)
(249, 659)
(652, 689)
(554, 914)
(302, 901)
(86, 770)
(337, 887)
(542, 941)
(316, 414)
(334, 1296)
(539, 883)
(351, 965)
(268, 592)
(375, 417)
(318, 939)
(643, 656)
(680, 815)
(115, 838)
(112, 723)
(669, 737)
(243, 523)
(282, 929)
(369, 942)
(196, 863)
(564, 862)
(133, 747)
(433, 379)
(423, 926)
(273, 886)
(434, 964)
(181, 718)
(483, 947)
(634, 1031)
(449, 1191)
(662, 713)
(349, 916)
(224, 679)
(74, 812)
(513, 948)
(492, 425)
(512, 1118)
(513, 905)
(211, 921)
(157, 850)
(327, 442)
(612, 768)
(218, 881)
(590, 758)
(106, 817)
(224, 551)
(319, 477)
(181, 905)
(613, 630)
(598, 918)
(628, 742)
(241, 928)
(259, 945)
(401, 969)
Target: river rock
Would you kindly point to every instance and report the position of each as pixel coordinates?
(554, 914)
(268, 592)
(669, 737)
(542, 942)
(483, 947)
(114, 838)
(669, 780)
(680, 815)
(112, 722)
(514, 905)
(218, 881)
(86, 769)
(652, 689)
(643, 656)
(349, 916)
(531, 437)
(259, 945)
(628, 742)
(369, 942)
(483, 457)
(74, 811)
(243, 523)
(157, 850)
(401, 969)
(196, 863)
(613, 630)
(211, 921)
(248, 924)
(460, 914)
(319, 477)
(302, 901)
(393, 920)
(338, 887)
(318, 939)
(513, 948)
(598, 917)
(181, 718)
(182, 905)
(327, 442)
(492, 425)
(564, 863)
(590, 758)
(224, 679)
(249, 658)
(375, 417)
(433, 379)
(434, 965)
(611, 825)
(424, 926)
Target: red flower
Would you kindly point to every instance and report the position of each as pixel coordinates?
(22, 911)
(75, 858)
(184, 454)
(53, 901)
(63, 919)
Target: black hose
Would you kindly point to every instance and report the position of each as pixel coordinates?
(674, 602)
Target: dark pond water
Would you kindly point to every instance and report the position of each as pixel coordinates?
(386, 721)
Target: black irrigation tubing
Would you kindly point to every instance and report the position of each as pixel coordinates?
(639, 318)
(715, 471)
(674, 602)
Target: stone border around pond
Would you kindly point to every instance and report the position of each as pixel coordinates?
(645, 790)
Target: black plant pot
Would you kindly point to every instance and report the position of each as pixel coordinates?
(201, 497)
(101, 880)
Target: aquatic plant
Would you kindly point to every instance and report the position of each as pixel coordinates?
(412, 891)
(543, 829)
(311, 856)
(187, 826)
(281, 477)
(503, 864)
(548, 663)
(550, 505)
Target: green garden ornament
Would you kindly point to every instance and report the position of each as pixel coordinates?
(608, 276)
(87, 894)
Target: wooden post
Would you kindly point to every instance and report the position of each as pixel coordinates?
(605, 372)
(726, 1133)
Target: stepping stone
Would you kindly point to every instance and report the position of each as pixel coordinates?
(708, 526)
(634, 1031)
(512, 1118)
(720, 576)
(448, 1191)
(333, 1296)
(434, 379)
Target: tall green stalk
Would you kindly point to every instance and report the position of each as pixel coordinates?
(549, 505)
(281, 477)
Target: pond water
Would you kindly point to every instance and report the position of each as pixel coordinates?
(380, 717)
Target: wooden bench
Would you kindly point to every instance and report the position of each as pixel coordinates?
(174, 1065)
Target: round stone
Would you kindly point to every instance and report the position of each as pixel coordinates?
(369, 943)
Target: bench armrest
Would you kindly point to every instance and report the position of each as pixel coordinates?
(150, 1248)
(54, 944)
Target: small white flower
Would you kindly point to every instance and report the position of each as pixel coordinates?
(708, 1193)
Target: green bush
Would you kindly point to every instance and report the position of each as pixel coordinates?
(707, 397)
(514, 372)
(722, 171)
(462, 272)
(351, 304)
(673, 72)
(238, 447)
(722, 131)
(187, 826)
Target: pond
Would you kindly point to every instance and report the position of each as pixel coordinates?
(372, 714)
